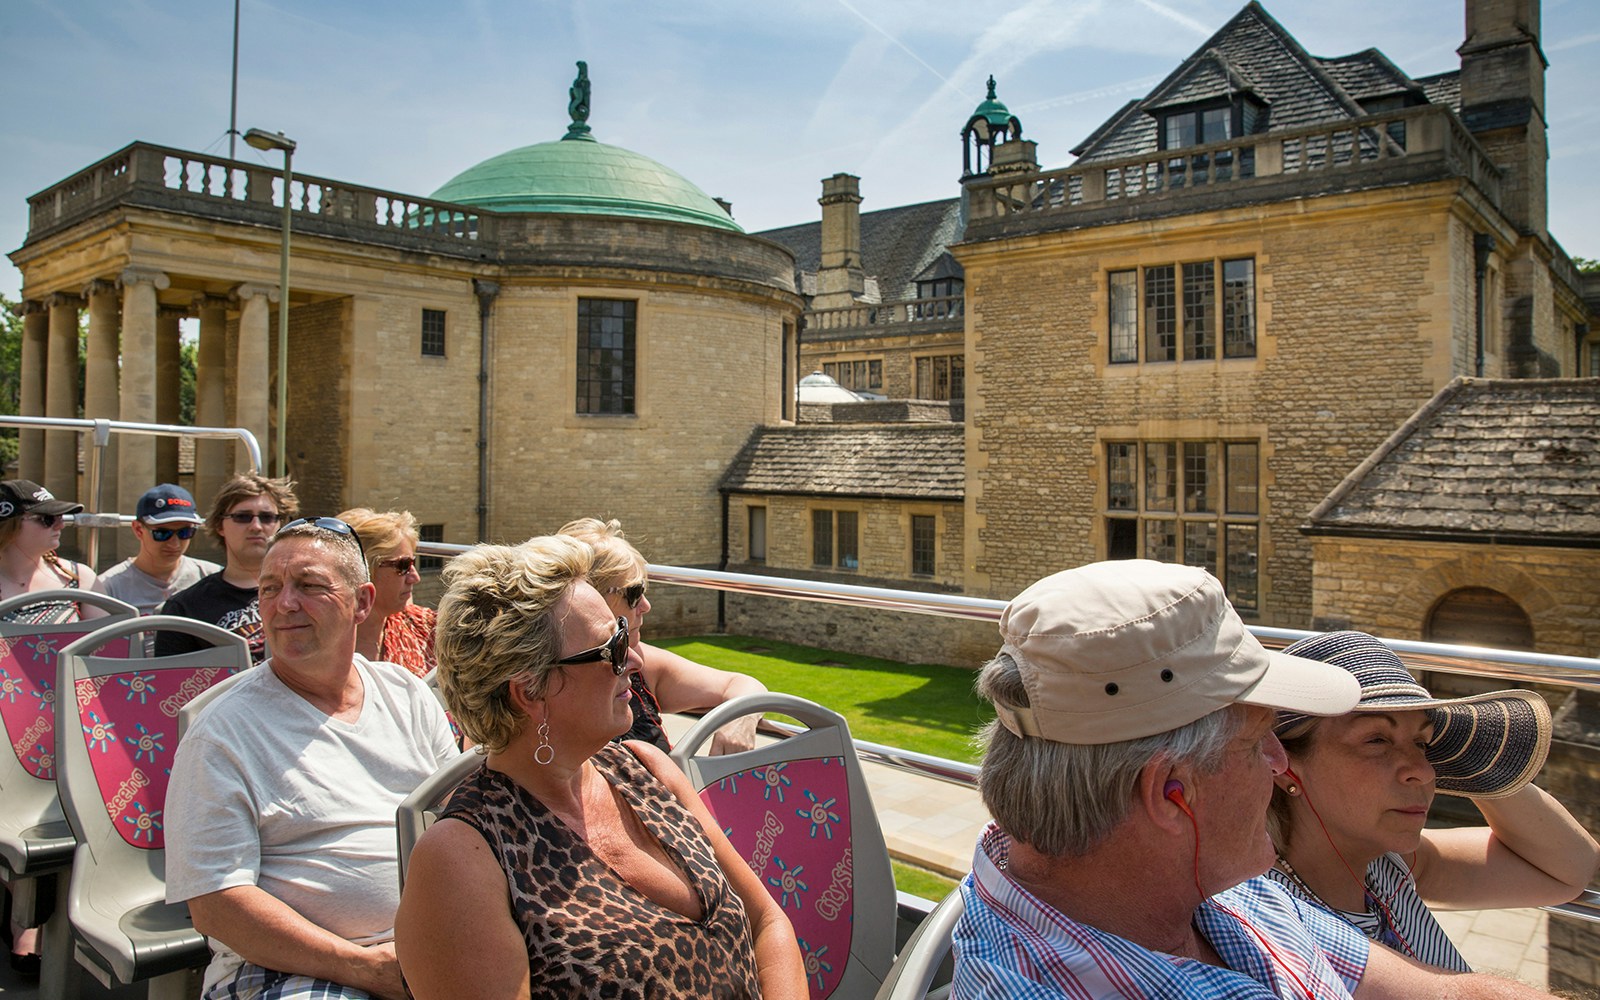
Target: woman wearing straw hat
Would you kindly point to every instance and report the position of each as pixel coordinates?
(1348, 815)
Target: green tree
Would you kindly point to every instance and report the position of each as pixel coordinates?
(1586, 265)
(10, 378)
(188, 352)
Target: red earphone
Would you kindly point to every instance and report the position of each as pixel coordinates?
(1173, 790)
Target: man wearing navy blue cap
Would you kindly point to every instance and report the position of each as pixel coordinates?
(165, 521)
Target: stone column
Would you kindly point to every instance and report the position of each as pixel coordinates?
(136, 465)
(101, 392)
(167, 389)
(30, 394)
(213, 460)
(61, 396)
(252, 375)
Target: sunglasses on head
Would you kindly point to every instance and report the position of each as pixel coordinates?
(631, 594)
(163, 534)
(332, 524)
(266, 517)
(48, 520)
(401, 564)
(613, 651)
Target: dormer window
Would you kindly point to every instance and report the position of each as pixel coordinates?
(1197, 126)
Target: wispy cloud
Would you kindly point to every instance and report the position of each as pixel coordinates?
(902, 46)
(1178, 17)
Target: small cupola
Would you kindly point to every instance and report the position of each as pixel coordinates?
(992, 124)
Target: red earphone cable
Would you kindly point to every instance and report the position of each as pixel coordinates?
(1176, 796)
(1388, 915)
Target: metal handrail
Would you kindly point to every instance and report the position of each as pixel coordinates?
(93, 517)
(1541, 668)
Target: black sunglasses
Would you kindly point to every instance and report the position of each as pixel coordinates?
(401, 564)
(332, 524)
(48, 520)
(163, 534)
(266, 517)
(631, 594)
(613, 651)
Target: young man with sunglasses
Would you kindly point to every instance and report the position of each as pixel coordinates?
(165, 522)
(246, 513)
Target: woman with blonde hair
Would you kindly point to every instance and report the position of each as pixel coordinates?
(568, 865)
(396, 631)
(665, 682)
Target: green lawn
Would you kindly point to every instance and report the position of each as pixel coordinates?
(924, 707)
(921, 882)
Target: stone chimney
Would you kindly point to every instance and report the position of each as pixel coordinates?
(840, 279)
(1502, 102)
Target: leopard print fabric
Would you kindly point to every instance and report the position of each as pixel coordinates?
(591, 934)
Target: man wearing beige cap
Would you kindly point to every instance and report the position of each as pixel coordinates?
(1129, 771)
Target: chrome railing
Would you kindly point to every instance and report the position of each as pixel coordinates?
(100, 431)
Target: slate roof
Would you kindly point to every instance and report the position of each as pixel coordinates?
(910, 461)
(897, 244)
(1253, 54)
(1486, 460)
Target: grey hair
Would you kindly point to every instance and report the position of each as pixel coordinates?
(1063, 799)
(344, 550)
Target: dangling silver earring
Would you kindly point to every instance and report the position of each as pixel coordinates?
(544, 753)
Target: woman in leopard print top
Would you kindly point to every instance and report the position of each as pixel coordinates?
(569, 866)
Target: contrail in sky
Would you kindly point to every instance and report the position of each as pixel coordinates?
(898, 43)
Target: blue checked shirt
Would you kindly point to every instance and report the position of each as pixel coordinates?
(1009, 944)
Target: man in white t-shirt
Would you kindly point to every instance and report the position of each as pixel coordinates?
(280, 817)
(164, 522)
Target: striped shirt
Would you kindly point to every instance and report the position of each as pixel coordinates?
(1008, 943)
(1415, 931)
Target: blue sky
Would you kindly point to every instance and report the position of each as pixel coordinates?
(753, 100)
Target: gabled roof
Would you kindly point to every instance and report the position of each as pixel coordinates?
(1484, 461)
(911, 461)
(897, 244)
(1253, 54)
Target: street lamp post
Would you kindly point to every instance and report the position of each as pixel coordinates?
(263, 140)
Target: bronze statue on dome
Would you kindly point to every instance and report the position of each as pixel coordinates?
(578, 104)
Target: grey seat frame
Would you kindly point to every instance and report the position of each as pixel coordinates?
(925, 953)
(827, 735)
(35, 839)
(124, 930)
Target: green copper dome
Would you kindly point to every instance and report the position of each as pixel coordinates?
(583, 176)
(992, 109)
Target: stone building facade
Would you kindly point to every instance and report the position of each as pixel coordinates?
(498, 361)
(1181, 344)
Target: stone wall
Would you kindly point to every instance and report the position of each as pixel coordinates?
(1389, 586)
(883, 532)
(1358, 300)
(897, 347)
(894, 635)
(319, 393)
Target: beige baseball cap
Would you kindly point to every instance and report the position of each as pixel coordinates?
(1119, 650)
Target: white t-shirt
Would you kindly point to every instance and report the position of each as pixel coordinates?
(268, 790)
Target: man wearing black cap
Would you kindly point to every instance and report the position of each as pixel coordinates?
(165, 521)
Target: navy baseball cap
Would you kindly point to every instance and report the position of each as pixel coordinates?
(167, 504)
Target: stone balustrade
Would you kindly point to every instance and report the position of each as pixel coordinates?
(1372, 151)
(160, 177)
(944, 311)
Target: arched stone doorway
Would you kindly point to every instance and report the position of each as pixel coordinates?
(1479, 616)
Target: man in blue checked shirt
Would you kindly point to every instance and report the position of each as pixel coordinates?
(1128, 771)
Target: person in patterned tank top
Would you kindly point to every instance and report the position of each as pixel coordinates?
(568, 865)
(397, 631)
